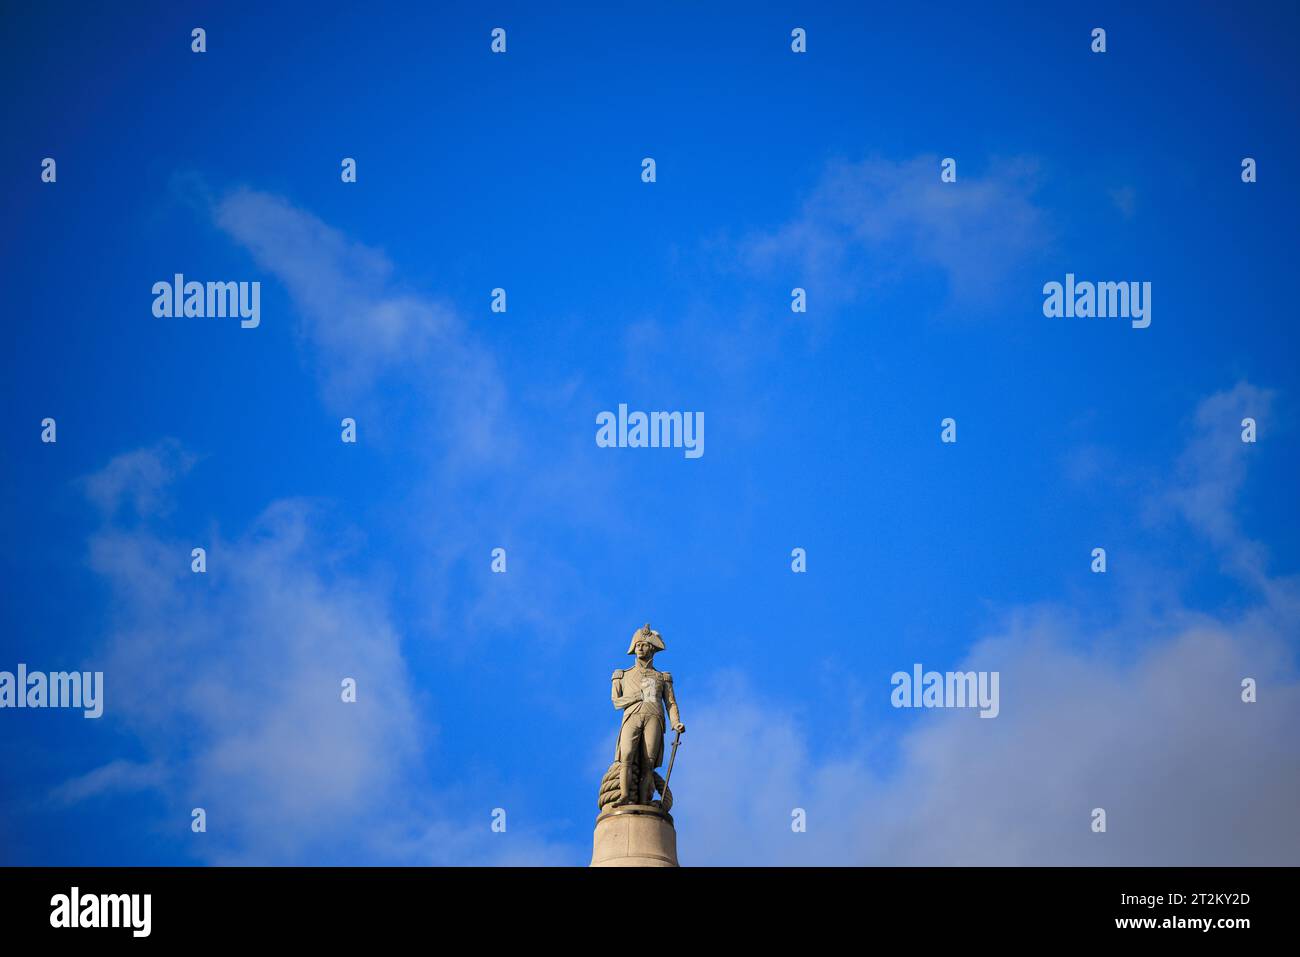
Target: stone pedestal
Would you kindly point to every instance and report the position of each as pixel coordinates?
(634, 835)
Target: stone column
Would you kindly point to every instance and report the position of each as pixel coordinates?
(634, 835)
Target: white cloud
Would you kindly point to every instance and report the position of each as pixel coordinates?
(867, 222)
(230, 683)
(1187, 773)
(232, 680)
(138, 478)
(1158, 736)
(379, 346)
(1209, 475)
(1125, 200)
(364, 328)
(115, 777)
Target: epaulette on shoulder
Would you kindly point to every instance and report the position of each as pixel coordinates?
(667, 675)
(618, 673)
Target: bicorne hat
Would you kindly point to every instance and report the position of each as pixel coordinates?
(646, 633)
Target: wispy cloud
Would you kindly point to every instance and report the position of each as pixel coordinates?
(1156, 734)
(877, 220)
(231, 683)
(1208, 477)
(1187, 773)
(139, 479)
(232, 680)
(115, 777)
(1124, 199)
(363, 327)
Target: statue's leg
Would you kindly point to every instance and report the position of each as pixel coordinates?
(652, 745)
(630, 748)
(624, 781)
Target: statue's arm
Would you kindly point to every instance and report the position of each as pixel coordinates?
(616, 693)
(670, 699)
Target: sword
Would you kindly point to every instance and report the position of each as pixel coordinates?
(677, 739)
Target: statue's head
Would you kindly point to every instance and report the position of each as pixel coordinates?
(645, 642)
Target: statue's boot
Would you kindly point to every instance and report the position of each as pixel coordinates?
(647, 789)
(624, 784)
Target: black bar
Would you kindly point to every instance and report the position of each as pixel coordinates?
(578, 907)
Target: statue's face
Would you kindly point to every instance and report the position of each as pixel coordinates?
(644, 650)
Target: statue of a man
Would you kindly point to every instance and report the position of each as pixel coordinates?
(643, 694)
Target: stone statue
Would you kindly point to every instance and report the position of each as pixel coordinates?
(643, 695)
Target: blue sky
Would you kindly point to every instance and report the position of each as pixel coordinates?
(476, 429)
